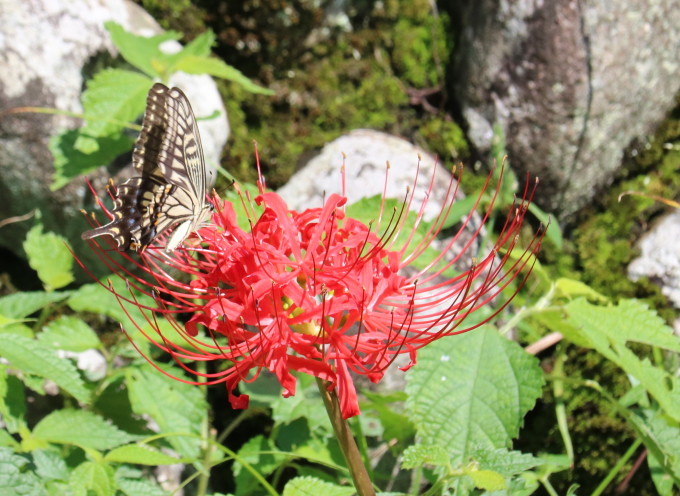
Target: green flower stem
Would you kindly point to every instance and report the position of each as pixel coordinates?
(357, 469)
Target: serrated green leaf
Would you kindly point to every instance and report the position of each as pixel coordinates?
(80, 428)
(141, 454)
(629, 321)
(609, 329)
(471, 391)
(662, 440)
(50, 465)
(19, 305)
(70, 162)
(113, 99)
(14, 480)
(97, 299)
(139, 487)
(140, 51)
(418, 455)
(175, 406)
(487, 480)
(32, 357)
(506, 463)
(663, 481)
(49, 256)
(93, 478)
(310, 486)
(69, 333)
(195, 64)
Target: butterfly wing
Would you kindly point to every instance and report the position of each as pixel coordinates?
(173, 177)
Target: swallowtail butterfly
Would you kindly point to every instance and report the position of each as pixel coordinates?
(173, 182)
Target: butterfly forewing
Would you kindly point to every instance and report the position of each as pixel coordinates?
(174, 178)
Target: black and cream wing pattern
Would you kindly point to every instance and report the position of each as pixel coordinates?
(170, 190)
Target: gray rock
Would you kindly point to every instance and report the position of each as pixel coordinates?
(659, 258)
(367, 153)
(572, 84)
(45, 47)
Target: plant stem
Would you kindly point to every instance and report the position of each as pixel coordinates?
(357, 469)
(616, 468)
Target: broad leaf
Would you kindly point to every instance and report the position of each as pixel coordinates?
(19, 305)
(14, 479)
(418, 455)
(472, 391)
(608, 330)
(49, 256)
(80, 428)
(141, 51)
(113, 99)
(33, 357)
(50, 465)
(141, 454)
(93, 478)
(70, 162)
(253, 453)
(69, 333)
(175, 406)
(306, 486)
(506, 463)
(139, 487)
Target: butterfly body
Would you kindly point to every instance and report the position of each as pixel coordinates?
(170, 191)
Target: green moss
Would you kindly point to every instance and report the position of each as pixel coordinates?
(604, 242)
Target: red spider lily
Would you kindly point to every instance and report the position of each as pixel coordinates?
(318, 291)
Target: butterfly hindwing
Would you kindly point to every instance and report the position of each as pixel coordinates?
(171, 189)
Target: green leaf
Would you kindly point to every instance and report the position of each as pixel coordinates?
(396, 425)
(139, 487)
(19, 305)
(33, 357)
(572, 288)
(113, 99)
(252, 453)
(141, 454)
(629, 321)
(418, 455)
(194, 64)
(305, 404)
(310, 486)
(608, 330)
(140, 51)
(93, 478)
(69, 333)
(175, 406)
(661, 436)
(15, 480)
(487, 479)
(80, 428)
(506, 463)
(49, 255)
(50, 465)
(97, 299)
(70, 162)
(12, 402)
(472, 391)
(553, 231)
